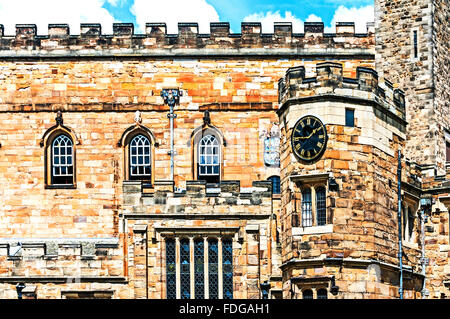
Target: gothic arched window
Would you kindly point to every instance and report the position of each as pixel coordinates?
(209, 159)
(62, 160)
(140, 166)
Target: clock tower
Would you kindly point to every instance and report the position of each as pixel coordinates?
(338, 155)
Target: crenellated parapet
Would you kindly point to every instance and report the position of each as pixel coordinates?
(59, 40)
(329, 81)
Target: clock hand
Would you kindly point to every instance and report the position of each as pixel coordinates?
(306, 137)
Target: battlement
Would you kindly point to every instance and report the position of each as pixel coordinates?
(329, 81)
(226, 197)
(60, 41)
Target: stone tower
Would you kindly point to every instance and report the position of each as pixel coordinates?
(416, 57)
(338, 211)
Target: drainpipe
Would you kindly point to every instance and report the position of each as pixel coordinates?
(399, 217)
(171, 97)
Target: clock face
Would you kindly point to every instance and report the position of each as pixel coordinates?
(309, 138)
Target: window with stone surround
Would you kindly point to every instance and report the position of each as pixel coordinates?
(207, 144)
(139, 145)
(209, 159)
(415, 45)
(60, 160)
(207, 273)
(140, 158)
(313, 207)
(59, 155)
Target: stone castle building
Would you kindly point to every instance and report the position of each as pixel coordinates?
(227, 165)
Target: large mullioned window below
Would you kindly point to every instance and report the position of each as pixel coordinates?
(207, 273)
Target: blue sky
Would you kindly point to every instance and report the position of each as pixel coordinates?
(106, 12)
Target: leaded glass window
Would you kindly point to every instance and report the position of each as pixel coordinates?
(171, 269)
(213, 271)
(322, 294)
(306, 208)
(199, 268)
(185, 271)
(209, 159)
(227, 268)
(140, 158)
(62, 160)
(321, 206)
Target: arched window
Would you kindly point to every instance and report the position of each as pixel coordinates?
(321, 207)
(306, 208)
(171, 280)
(140, 158)
(199, 268)
(62, 160)
(276, 187)
(322, 294)
(185, 269)
(307, 294)
(209, 159)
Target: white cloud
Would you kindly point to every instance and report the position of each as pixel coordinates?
(343, 14)
(44, 12)
(360, 16)
(173, 11)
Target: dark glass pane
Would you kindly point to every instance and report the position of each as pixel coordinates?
(185, 278)
(213, 274)
(227, 268)
(307, 294)
(306, 208)
(275, 184)
(349, 117)
(321, 206)
(322, 294)
(199, 251)
(170, 269)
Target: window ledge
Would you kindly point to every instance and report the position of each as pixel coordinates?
(68, 186)
(325, 229)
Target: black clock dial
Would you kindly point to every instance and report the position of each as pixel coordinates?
(309, 138)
